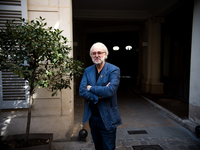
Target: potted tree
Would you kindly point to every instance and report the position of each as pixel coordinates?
(38, 54)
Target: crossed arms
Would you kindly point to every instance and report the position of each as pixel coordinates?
(89, 86)
(94, 92)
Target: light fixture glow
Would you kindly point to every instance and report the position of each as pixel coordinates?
(116, 48)
(128, 47)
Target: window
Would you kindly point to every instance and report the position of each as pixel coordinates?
(14, 91)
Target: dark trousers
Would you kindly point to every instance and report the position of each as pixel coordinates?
(103, 139)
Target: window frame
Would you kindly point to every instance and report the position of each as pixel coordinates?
(21, 6)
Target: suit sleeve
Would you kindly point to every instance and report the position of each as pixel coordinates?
(83, 92)
(107, 92)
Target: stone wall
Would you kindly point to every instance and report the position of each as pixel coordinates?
(49, 114)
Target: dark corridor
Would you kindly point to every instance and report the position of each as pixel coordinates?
(175, 51)
(126, 60)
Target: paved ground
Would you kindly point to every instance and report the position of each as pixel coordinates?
(138, 114)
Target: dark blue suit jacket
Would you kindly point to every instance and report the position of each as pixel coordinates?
(107, 104)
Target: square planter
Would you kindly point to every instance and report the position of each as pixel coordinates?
(47, 136)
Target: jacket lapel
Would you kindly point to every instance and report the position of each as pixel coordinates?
(103, 74)
(92, 75)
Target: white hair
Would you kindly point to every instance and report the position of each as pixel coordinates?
(104, 48)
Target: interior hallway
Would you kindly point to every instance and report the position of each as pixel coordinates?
(174, 105)
(134, 112)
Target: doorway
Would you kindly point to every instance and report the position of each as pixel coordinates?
(126, 58)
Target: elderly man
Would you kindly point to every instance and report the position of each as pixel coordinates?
(99, 86)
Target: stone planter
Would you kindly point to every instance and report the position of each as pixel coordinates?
(47, 136)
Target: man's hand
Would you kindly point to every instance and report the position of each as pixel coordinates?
(107, 84)
(88, 87)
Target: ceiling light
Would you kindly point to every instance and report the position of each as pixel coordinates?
(128, 47)
(116, 48)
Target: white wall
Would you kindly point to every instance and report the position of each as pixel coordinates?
(194, 98)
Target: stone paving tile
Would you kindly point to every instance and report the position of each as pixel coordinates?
(126, 144)
(124, 148)
(129, 140)
(135, 143)
(143, 143)
(164, 147)
(118, 144)
(181, 147)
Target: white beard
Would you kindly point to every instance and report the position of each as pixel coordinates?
(98, 60)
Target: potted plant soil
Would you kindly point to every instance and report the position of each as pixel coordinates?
(41, 56)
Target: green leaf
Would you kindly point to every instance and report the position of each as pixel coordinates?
(45, 50)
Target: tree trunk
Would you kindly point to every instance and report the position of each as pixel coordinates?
(29, 117)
